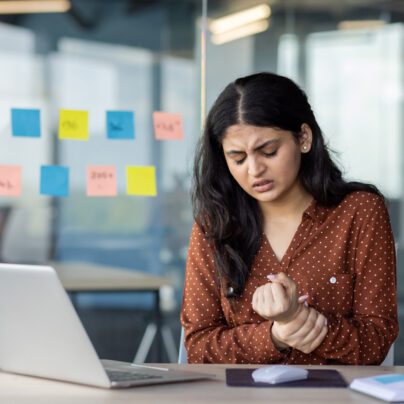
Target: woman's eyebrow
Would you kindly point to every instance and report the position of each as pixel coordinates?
(265, 144)
(232, 152)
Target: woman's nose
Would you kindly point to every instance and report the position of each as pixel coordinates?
(255, 167)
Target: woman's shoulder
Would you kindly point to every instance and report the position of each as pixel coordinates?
(198, 233)
(363, 198)
(363, 203)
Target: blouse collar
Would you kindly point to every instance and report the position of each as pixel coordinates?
(316, 212)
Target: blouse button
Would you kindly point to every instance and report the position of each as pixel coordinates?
(333, 279)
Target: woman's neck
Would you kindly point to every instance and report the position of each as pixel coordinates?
(290, 207)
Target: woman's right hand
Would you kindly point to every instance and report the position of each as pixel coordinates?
(305, 332)
(277, 300)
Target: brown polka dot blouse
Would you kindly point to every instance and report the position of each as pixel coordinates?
(342, 257)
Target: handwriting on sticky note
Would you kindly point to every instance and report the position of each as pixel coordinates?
(73, 124)
(115, 127)
(141, 180)
(10, 180)
(167, 126)
(69, 125)
(101, 181)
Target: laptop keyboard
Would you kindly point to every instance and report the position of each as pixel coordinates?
(120, 376)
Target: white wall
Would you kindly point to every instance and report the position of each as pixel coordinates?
(355, 84)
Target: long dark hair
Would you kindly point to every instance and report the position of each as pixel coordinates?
(229, 217)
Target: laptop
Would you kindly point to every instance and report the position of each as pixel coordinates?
(41, 335)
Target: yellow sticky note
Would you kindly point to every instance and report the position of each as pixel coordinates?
(141, 180)
(73, 124)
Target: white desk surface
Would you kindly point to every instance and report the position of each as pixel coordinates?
(76, 277)
(17, 389)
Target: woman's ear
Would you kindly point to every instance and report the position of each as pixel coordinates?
(306, 138)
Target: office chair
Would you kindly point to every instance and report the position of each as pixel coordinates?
(5, 212)
(389, 359)
(182, 352)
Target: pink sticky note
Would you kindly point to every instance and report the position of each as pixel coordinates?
(101, 181)
(167, 126)
(10, 180)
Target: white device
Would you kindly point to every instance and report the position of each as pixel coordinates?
(41, 335)
(388, 387)
(279, 374)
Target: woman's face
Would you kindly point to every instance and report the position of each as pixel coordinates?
(265, 161)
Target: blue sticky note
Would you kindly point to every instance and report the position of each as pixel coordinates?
(388, 379)
(120, 125)
(54, 180)
(26, 122)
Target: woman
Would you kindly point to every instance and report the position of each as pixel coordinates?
(287, 263)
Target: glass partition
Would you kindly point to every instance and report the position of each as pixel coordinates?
(123, 56)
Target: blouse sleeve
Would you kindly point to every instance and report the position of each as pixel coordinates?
(365, 337)
(208, 336)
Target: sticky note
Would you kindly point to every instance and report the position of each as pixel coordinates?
(167, 126)
(54, 180)
(10, 180)
(391, 378)
(73, 124)
(120, 125)
(141, 180)
(101, 181)
(26, 122)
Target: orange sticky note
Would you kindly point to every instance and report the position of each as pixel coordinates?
(167, 126)
(10, 180)
(73, 124)
(101, 181)
(141, 180)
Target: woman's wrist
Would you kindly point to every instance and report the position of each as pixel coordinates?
(279, 345)
(276, 339)
(300, 307)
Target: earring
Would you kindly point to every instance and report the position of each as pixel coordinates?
(305, 148)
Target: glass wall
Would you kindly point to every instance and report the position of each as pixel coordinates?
(125, 56)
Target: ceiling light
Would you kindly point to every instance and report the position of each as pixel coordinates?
(34, 6)
(245, 30)
(232, 21)
(360, 24)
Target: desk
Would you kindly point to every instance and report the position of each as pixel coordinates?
(85, 277)
(22, 389)
(77, 277)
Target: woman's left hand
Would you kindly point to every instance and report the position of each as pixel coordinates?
(305, 332)
(278, 299)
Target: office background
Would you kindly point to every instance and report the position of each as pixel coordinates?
(145, 56)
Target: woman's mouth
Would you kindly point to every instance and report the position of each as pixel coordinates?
(263, 186)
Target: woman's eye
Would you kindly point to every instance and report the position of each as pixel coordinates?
(271, 154)
(238, 162)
